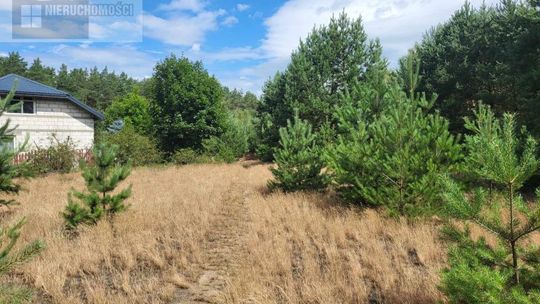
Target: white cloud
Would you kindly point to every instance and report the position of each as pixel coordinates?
(196, 47)
(234, 54)
(188, 5)
(2, 54)
(398, 23)
(242, 7)
(230, 21)
(181, 29)
(253, 78)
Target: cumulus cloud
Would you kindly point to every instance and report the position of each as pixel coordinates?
(181, 29)
(233, 54)
(182, 22)
(230, 21)
(398, 23)
(189, 5)
(242, 7)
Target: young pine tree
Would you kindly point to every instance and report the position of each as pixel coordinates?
(102, 177)
(390, 150)
(10, 235)
(298, 159)
(510, 271)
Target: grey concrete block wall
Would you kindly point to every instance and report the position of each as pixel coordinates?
(60, 119)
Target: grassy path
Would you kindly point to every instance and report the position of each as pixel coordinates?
(224, 248)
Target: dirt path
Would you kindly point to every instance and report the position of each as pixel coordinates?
(224, 249)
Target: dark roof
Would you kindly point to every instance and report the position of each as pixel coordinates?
(29, 87)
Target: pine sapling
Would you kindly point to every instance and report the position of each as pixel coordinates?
(9, 236)
(298, 159)
(101, 178)
(497, 156)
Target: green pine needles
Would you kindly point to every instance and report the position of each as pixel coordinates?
(509, 272)
(101, 177)
(9, 236)
(391, 156)
(298, 159)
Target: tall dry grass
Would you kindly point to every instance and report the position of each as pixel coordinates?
(211, 233)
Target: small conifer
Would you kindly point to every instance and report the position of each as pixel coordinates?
(9, 236)
(101, 178)
(298, 159)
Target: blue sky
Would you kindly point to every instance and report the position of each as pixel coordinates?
(241, 42)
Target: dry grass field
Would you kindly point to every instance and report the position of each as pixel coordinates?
(211, 234)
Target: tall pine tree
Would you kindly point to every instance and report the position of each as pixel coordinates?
(331, 60)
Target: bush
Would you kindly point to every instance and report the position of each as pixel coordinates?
(138, 149)
(60, 156)
(133, 110)
(189, 156)
(298, 159)
(393, 159)
(237, 140)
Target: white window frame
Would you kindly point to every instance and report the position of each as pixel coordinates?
(22, 100)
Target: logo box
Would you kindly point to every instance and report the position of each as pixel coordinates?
(50, 19)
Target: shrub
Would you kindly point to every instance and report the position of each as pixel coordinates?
(138, 149)
(101, 178)
(393, 159)
(133, 110)
(236, 141)
(188, 156)
(495, 155)
(298, 159)
(60, 156)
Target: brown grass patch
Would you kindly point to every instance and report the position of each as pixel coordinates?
(207, 233)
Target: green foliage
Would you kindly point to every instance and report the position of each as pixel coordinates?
(495, 155)
(236, 141)
(96, 88)
(134, 148)
(298, 159)
(40, 73)
(330, 62)
(475, 274)
(488, 54)
(187, 105)
(14, 63)
(59, 156)
(9, 236)
(101, 178)
(133, 109)
(238, 101)
(390, 150)
(187, 156)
